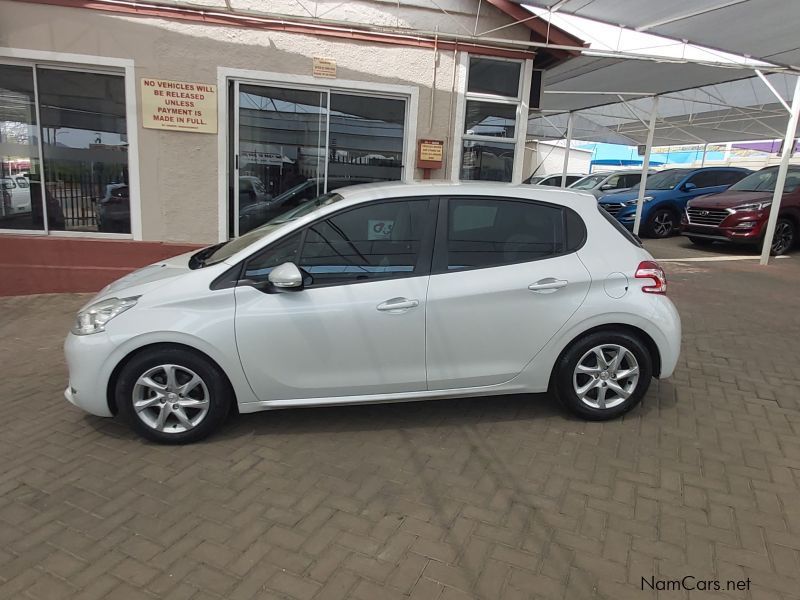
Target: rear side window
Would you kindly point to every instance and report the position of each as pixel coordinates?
(618, 226)
(730, 177)
(488, 232)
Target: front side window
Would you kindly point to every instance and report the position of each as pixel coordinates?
(492, 232)
(376, 241)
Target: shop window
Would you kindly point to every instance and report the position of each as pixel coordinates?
(20, 170)
(82, 182)
(294, 145)
(490, 128)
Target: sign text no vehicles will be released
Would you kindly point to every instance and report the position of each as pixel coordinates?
(179, 105)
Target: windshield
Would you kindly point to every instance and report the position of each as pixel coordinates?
(588, 182)
(764, 181)
(227, 249)
(665, 180)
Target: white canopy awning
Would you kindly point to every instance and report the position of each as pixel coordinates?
(762, 29)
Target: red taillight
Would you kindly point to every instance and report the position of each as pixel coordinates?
(652, 270)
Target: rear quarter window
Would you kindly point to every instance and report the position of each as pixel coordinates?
(618, 226)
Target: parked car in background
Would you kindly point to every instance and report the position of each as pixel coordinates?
(666, 196)
(258, 213)
(554, 180)
(114, 209)
(740, 213)
(252, 190)
(16, 195)
(607, 182)
(382, 293)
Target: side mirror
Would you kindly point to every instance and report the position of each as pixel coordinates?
(286, 277)
(689, 186)
(606, 186)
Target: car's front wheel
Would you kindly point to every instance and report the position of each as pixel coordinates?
(784, 237)
(662, 223)
(603, 375)
(172, 396)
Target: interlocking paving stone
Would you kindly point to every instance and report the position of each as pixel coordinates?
(481, 498)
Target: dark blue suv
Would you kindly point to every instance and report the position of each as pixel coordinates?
(666, 196)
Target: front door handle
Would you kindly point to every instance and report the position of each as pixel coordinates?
(397, 305)
(548, 285)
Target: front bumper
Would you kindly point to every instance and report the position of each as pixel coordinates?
(88, 375)
(730, 230)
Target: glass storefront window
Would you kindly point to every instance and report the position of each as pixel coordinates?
(366, 138)
(490, 129)
(495, 77)
(488, 118)
(293, 148)
(281, 151)
(487, 161)
(85, 147)
(20, 195)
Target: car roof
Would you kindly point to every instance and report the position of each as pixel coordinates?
(384, 189)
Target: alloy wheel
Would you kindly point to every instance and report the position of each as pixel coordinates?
(171, 398)
(783, 238)
(663, 223)
(605, 376)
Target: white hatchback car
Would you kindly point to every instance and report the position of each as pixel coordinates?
(383, 293)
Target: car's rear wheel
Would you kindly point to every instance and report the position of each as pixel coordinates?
(172, 395)
(700, 241)
(784, 238)
(662, 223)
(603, 375)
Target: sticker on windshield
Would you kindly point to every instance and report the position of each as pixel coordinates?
(379, 229)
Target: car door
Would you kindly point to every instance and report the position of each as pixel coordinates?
(505, 279)
(358, 325)
(707, 182)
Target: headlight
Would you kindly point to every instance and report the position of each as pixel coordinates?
(636, 200)
(93, 319)
(754, 206)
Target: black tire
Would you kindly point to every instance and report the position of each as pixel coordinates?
(662, 223)
(785, 237)
(565, 378)
(214, 388)
(700, 241)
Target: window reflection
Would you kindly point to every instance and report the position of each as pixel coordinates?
(19, 153)
(85, 146)
(487, 161)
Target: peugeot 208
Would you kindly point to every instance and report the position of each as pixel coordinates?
(378, 293)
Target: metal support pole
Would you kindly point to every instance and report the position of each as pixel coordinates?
(646, 165)
(788, 150)
(566, 150)
(705, 149)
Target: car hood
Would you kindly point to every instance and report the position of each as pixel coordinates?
(729, 199)
(146, 279)
(632, 194)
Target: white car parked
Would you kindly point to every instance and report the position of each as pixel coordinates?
(383, 293)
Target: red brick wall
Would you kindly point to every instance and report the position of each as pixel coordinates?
(45, 264)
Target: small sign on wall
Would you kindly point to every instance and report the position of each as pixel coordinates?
(430, 154)
(179, 105)
(324, 67)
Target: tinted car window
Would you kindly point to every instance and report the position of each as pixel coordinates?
(285, 250)
(730, 177)
(631, 180)
(705, 179)
(377, 241)
(492, 232)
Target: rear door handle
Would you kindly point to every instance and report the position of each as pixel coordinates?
(548, 285)
(397, 305)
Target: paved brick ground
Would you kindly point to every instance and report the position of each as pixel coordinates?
(495, 498)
